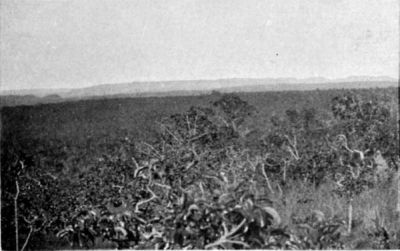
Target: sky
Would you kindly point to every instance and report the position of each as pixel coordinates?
(79, 43)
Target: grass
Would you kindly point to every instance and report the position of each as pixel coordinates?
(371, 209)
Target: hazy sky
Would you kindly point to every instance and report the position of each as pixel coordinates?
(76, 43)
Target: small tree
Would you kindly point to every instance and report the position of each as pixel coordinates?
(233, 111)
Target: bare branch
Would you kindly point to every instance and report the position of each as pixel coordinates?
(16, 214)
(223, 120)
(194, 125)
(22, 167)
(51, 175)
(188, 124)
(339, 182)
(266, 178)
(280, 191)
(251, 164)
(135, 162)
(226, 230)
(350, 216)
(27, 238)
(118, 186)
(173, 135)
(32, 229)
(30, 221)
(226, 235)
(292, 148)
(152, 148)
(153, 196)
(162, 185)
(27, 176)
(193, 150)
(198, 137)
(202, 189)
(190, 165)
(138, 170)
(235, 229)
(294, 154)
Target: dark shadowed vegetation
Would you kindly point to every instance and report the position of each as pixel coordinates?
(291, 170)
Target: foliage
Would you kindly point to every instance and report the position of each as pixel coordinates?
(196, 184)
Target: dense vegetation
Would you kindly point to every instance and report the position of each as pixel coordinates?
(255, 170)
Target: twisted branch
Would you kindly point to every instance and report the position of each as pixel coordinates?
(138, 168)
(228, 234)
(153, 196)
(32, 229)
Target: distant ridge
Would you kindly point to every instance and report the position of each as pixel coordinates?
(225, 85)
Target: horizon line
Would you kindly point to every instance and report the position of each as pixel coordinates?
(392, 79)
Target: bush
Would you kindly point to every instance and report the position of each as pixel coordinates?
(200, 186)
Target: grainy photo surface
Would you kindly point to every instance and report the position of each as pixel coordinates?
(199, 124)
